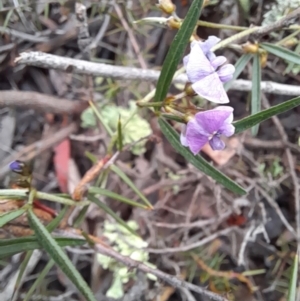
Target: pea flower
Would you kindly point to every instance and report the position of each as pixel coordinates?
(207, 72)
(208, 126)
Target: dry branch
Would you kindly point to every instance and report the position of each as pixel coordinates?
(40, 102)
(49, 61)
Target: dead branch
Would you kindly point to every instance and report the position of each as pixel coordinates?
(49, 61)
(40, 102)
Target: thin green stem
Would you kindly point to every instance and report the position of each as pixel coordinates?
(235, 37)
(172, 117)
(58, 199)
(221, 26)
(281, 42)
(150, 104)
(97, 113)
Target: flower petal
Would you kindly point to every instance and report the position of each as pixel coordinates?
(227, 130)
(198, 66)
(186, 60)
(226, 73)
(212, 121)
(216, 143)
(218, 61)
(211, 88)
(195, 137)
(209, 43)
(183, 139)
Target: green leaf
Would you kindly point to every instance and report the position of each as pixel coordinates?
(281, 52)
(9, 247)
(56, 221)
(176, 50)
(39, 279)
(110, 212)
(115, 196)
(124, 177)
(198, 161)
(291, 66)
(239, 68)
(59, 256)
(120, 135)
(256, 95)
(9, 216)
(292, 292)
(250, 121)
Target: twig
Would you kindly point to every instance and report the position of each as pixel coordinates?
(241, 260)
(50, 61)
(23, 35)
(104, 249)
(278, 24)
(40, 102)
(193, 245)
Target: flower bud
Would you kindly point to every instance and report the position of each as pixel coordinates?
(173, 24)
(166, 6)
(250, 48)
(263, 58)
(290, 42)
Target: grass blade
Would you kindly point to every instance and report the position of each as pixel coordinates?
(255, 93)
(126, 179)
(250, 121)
(56, 221)
(281, 52)
(59, 256)
(292, 292)
(9, 216)
(239, 68)
(39, 279)
(115, 196)
(110, 212)
(176, 50)
(9, 247)
(120, 135)
(198, 161)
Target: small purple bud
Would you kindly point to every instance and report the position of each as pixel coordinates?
(16, 166)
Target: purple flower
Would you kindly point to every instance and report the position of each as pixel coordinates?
(208, 126)
(16, 166)
(207, 72)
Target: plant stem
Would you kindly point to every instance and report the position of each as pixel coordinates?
(150, 104)
(221, 26)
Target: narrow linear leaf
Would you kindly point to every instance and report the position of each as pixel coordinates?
(292, 292)
(255, 93)
(239, 68)
(9, 247)
(115, 196)
(124, 177)
(250, 121)
(39, 279)
(56, 221)
(120, 135)
(110, 212)
(176, 50)
(21, 271)
(9, 216)
(80, 217)
(282, 52)
(291, 65)
(198, 161)
(59, 256)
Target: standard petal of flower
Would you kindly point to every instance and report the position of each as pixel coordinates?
(226, 72)
(227, 130)
(213, 120)
(216, 143)
(196, 138)
(211, 88)
(185, 60)
(209, 43)
(198, 66)
(183, 139)
(218, 61)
